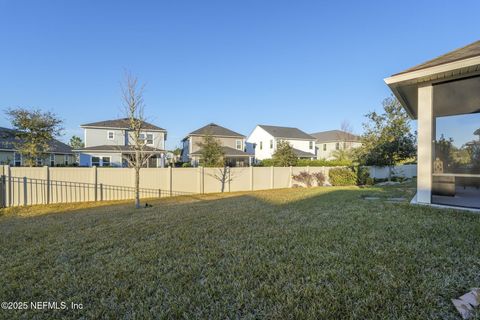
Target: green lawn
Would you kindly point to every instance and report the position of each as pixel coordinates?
(290, 253)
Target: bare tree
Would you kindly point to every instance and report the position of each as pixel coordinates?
(134, 106)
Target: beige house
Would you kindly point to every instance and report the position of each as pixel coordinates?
(60, 154)
(233, 145)
(329, 141)
(443, 94)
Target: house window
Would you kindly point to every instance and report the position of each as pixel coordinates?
(337, 146)
(146, 138)
(95, 161)
(111, 135)
(66, 160)
(18, 159)
(261, 145)
(324, 147)
(271, 144)
(238, 144)
(105, 161)
(52, 160)
(39, 161)
(310, 145)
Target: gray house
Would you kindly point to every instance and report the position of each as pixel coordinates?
(59, 153)
(330, 141)
(233, 145)
(108, 143)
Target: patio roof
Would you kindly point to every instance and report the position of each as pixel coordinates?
(455, 65)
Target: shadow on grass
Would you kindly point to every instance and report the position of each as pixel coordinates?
(286, 253)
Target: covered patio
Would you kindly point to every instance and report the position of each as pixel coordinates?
(443, 94)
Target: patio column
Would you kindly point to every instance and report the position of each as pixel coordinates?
(425, 136)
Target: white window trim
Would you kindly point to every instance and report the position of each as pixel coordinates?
(145, 138)
(52, 154)
(99, 160)
(108, 135)
(109, 160)
(65, 159)
(15, 161)
(241, 144)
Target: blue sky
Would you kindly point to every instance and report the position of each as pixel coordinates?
(309, 64)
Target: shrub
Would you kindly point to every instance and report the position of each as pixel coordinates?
(363, 175)
(323, 163)
(342, 177)
(303, 177)
(319, 178)
(186, 165)
(266, 163)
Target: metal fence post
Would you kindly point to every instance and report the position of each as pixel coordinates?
(25, 194)
(47, 184)
(95, 183)
(101, 191)
(159, 193)
(3, 192)
(9, 171)
(171, 180)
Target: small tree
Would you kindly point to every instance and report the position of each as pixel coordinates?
(387, 139)
(35, 131)
(284, 156)
(76, 143)
(211, 152)
(134, 106)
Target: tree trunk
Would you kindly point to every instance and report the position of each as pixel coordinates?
(389, 173)
(137, 179)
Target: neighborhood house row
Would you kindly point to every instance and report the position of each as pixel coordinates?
(108, 144)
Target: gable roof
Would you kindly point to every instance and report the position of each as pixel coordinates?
(286, 132)
(335, 135)
(303, 154)
(123, 123)
(215, 130)
(118, 149)
(8, 140)
(469, 51)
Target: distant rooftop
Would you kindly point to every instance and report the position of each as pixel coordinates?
(286, 132)
(335, 135)
(8, 139)
(216, 130)
(123, 123)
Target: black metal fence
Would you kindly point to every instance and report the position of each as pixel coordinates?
(23, 191)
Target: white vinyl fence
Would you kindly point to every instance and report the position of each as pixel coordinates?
(406, 171)
(21, 186)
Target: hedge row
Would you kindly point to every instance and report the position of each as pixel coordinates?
(350, 176)
(309, 163)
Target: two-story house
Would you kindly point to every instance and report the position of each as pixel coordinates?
(58, 154)
(233, 145)
(109, 143)
(330, 141)
(264, 139)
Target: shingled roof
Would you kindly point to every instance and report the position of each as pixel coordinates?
(286, 132)
(8, 138)
(334, 135)
(118, 148)
(215, 130)
(469, 51)
(123, 123)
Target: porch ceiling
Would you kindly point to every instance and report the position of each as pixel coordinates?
(451, 68)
